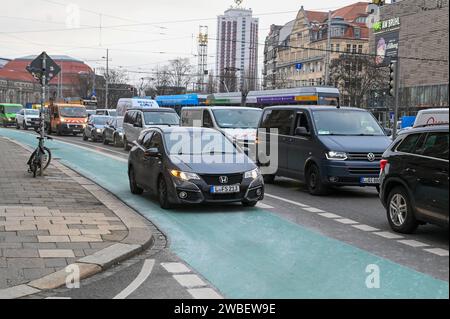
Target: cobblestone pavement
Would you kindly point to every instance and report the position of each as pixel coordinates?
(47, 223)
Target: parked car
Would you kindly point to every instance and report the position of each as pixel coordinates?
(106, 112)
(414, 179)
(113, 132)
(189, 166)
(95, 127)
(137, 120)
(324, 146)
(27, 118)
(238, 123)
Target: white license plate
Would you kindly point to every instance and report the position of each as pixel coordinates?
(226, 189)
(370, 180)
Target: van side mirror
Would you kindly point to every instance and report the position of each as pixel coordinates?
(152, 152)
(302, 131)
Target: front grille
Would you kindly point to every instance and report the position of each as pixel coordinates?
(364, 171)
(215, 179)
(224, 197)
(364, 156)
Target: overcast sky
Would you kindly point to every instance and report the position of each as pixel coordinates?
(139, 33)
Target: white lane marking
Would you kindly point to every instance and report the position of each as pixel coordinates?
(388, 235)
(176, 268)
(413, 243)
(365, 228)
(286, 200)
(313, 210)
(264, 206)
(438, 251)
(140, 279)
(59, 298)
(330, 215)
(204, 293)
(189, 281)
(346, 221)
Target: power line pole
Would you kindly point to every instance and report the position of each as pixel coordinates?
(107, 80)
(328, 54)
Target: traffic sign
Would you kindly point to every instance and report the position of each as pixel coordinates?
(43, 65)
(299, 66)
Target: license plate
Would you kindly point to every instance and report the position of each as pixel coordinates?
(226, 189)
(370, 180)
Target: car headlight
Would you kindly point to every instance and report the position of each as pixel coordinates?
(336, 156)
(98, 130)
(184, 176)
(254, 174)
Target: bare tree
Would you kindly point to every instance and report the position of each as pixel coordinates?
(181, 72)
(212, 83)
(357, 77)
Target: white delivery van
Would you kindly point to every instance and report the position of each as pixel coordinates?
(240, 124)
(432, 117)
(135, 103)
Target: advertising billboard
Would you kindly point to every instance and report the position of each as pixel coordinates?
(386, 47)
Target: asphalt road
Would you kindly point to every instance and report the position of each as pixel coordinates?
(352, 216)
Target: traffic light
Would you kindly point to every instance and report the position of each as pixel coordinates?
(392, 76)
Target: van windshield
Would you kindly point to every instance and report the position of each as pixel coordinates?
(31, 112)
(346, 123)
(237, 118)
(73, 112)
(161, 118)
(11, 109)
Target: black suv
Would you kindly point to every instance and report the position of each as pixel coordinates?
(414, 179)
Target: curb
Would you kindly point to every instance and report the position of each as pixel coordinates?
(139, 238)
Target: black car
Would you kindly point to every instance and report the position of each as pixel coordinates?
(113, 132)
(193, 166)
(414, 179)
(94, 128)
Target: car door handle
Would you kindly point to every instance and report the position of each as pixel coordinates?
(410, 170)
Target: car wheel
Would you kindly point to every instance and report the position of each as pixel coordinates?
(105, 142)
(163, 194)
(126, 147)
(115, 141)
(400, 213)
(314, 181)
(85, 138)
(58, 131)
(135, 189)
(249, 204)
(269, 179)
(25, 127)
(17, 125)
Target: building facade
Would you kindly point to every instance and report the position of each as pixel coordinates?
(18, 86)
(420, 35)
(302, 57)
(237, 50)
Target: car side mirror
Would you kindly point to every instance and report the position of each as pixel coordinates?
(152, 152)
(388, 131)
(302, 131)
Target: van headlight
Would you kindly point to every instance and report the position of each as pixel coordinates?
(336, 156)
(254, 174)
(184, 176)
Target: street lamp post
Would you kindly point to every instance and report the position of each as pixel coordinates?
(107, 79)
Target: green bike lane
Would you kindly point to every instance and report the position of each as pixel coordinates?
(253, 253)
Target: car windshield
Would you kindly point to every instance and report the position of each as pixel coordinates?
(346, 123)
(73, 112)
(100, 120)
(161, 118)
(237, 118)
(31, 112)
(12, 109)
(199, 143)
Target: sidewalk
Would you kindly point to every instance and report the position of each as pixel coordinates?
(60, 219)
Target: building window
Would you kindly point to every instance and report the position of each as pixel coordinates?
(357, 33)
(349, 48)
(354, 48)
(338, 48)
(360, 48)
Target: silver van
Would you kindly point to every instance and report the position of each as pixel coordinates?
(137, 120)
(240, 124)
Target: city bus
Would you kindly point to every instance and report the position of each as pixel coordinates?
(296, 96)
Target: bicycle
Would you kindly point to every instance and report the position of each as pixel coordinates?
(41, 157)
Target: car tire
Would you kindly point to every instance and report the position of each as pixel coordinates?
(269, 179)
(314, 181)
(25, 127)
(134, 188)
(249, 204)
(126, 147)
(163, 194)
(58, 131)
(85, 138)
(400, 213)
(116, 142)
(17, 125)
(105, 142)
